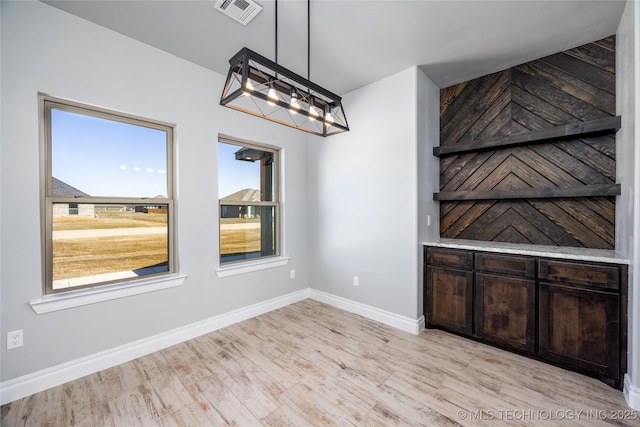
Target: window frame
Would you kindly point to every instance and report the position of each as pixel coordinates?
(276, 204)
(48, 103)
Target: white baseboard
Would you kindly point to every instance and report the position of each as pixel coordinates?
(406, 324)
(35, 382)
(631, 393)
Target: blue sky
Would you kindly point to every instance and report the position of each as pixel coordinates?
(235, 175)
(108, 158)
(114, 159)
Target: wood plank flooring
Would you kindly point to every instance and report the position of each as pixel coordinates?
(310, 364)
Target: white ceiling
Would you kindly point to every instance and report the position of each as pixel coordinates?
(356, 42)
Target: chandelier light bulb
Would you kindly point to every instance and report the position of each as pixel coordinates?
(293, 105)
(248, 88)
(328, 118)
(314, 112)
(272, 95)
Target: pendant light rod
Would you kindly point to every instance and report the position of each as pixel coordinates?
(308, 39)
(276, 61)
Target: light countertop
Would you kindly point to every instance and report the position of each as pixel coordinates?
(564, 252)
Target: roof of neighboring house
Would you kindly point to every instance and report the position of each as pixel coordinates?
(61, 188)
(246, 195)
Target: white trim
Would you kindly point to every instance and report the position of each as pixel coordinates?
(631, 393)
(413, 326)
(249, 267)
(62, 301)
(421, 324)
(35, 382)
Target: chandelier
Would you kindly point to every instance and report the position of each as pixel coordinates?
(263, 88)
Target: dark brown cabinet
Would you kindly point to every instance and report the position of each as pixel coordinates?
(579, 312)
(450, 294)
(505, 300)
(506, 311)
(580, 327)
(565, 312)
(449, 289)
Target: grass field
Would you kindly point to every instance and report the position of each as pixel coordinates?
(98, 255)
(234, 240)
(90, 256)
(109, 220)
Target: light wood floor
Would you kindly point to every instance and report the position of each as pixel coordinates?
(310, 364)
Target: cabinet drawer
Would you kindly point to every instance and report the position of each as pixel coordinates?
(506, 264)
(450, 258)
(592, 275)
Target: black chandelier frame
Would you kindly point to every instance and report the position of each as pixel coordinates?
(263, 88)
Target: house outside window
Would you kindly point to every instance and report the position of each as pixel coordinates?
(249, 201)
(108, 206)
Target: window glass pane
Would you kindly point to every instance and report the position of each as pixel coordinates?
(92, 156)
(248, 201)
(101, 242)
(247, 231)
(245, 174)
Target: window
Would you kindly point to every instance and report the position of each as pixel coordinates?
(249, 201)
(108, 207)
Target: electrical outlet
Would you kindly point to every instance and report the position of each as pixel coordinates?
(292, 274)
(428, 220)
(356, 281)
(14, 339)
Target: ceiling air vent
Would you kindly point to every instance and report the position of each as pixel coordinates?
(242, 11)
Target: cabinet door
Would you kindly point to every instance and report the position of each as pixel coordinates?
(505, 311)
(581, 328)
(449, 299)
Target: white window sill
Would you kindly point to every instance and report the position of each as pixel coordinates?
(248, 267)
(50, 303)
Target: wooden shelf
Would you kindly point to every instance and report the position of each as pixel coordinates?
(531, 193)
(572, 130)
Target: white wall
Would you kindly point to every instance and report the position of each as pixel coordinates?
(428, 113)
(365, 188)
(628, 204)
(47, 50)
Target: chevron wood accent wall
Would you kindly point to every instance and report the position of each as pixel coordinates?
(551, 179)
